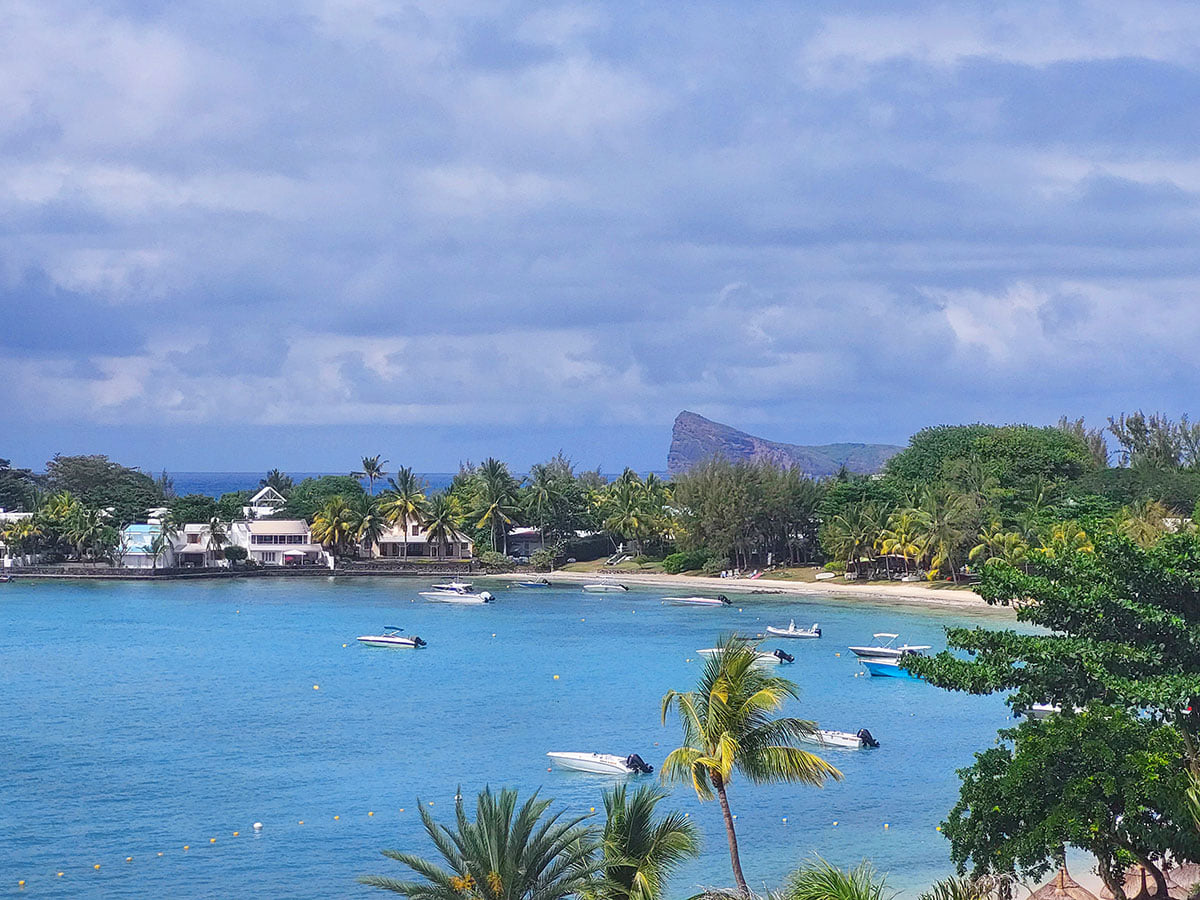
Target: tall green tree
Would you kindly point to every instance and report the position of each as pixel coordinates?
(368, 522)
(277, 481)
(507, 852)
(495, 501)
(334, 525)
(404, 503)
(443, 518)
(372, 470)
(819, 880)
(729, 724)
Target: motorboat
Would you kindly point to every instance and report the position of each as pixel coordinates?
(1040, 711)
(391, 637)
(456, 597)
(761, 657)
(458, 587)
(719, 600)
(793, 632)
(601, 763)
(825, 576)
(540, 583)
(5, 579)
(842, 739)
(605, 587)
(886, 650)
(888, 668)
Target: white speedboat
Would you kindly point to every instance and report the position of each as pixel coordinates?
(456, 597)
(605, 587)
(886, 650)
(391, 637)
(761, 657)
(458, 587)
(601, 763)
(719, 600)
(793, 632)
(843, 739)
(539, 583)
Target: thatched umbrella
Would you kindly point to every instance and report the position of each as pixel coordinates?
(1139, 885)
(1182, 879)
(1062, 887)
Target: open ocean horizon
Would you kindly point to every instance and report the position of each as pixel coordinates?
(214, 484)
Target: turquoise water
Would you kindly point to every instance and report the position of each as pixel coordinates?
(139, 718)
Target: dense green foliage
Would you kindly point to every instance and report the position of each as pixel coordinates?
(193, 508)
(1119, 624)
(18, 488)
(819, 880)
(312, 493)
(685, 561)
(99, 483)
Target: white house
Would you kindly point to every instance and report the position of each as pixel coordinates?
(392, 544)
(265, 503)
(193, 549)
(277, 542)
(136, 541)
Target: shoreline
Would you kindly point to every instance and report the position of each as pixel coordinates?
(903, 594)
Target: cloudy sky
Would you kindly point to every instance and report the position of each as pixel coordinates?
(245, 233)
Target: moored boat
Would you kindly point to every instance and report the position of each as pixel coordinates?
(457, 597)
(605, 587)
(391, 637)
(458, 587)
(793, 632)
(886, 650)
(600, 763)
(719, 600)
(761, 657)
(539, 583)
(842, 739)
(889, 668)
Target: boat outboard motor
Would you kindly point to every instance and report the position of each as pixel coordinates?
(867, 740)
(816, 629)
(784, 657)
(486, 597)
(637, 764)
(723, 599)
(419, 642)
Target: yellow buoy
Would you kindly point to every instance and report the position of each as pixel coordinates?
(301, 822)
(402, 809)
(236, 833)
(593, 809)
(58, 875)
(21, 883)
(316, 687)
(370, 814)
(556, 678)
(431, 803)
(343, 645)
(785, 820)
(885, 825)
(212, 840)
(186, 847)
(335, 818)
(96, 866)
(835, 824)
(129, 859)
(939, 828)
(160, 853)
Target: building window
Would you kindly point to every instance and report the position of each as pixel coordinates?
(416, 530)
(268, 557)
(193, 538)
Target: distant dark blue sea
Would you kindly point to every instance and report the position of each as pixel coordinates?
(214, 484)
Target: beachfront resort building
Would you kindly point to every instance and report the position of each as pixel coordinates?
(195, 548)
(277, 542)
(7, 519)
(413, 541)
(137, 548)
(265, 503)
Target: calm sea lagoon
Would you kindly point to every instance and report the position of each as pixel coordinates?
(139, 718)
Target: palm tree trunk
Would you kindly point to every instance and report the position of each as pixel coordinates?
(719, 784)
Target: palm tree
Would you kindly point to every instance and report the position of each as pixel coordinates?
(943, 514)
(727, 725)
(496, 501)
(638, 851)
(629, 514)
(904, 527)
(1064, 539)
(159, 544)
(442, 519)
(404, 502)
(277, 481)
(506, 853)
(978, 887)
(372, 468)
(822, 881)
(1144, 523)
(218, 536)
(333, 525)
(543, 496)
(369, 523)
(998, 543)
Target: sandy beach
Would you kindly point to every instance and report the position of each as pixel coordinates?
(915, 594)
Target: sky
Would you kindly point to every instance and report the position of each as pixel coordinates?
(255, 233)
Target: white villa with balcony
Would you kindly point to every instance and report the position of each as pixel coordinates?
(194, 549)
(277, 542)
(392, 544)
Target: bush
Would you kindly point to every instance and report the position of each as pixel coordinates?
(714, 566)
(236, 554)
(493, 560)
(685, 562)
(835, 565)
(543, 559)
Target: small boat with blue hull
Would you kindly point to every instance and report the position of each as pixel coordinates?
(888, 668)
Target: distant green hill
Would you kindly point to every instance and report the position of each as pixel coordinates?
(695, 438)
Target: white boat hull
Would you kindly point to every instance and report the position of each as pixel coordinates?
(841, 739)
(793, 632)
(383, 640)
(694, 601)
(451, 597)
(605, 589)
(595, 763)
(761, 657)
